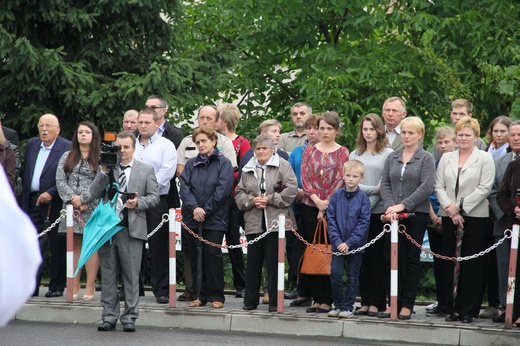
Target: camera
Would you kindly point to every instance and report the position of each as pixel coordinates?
(109, 152)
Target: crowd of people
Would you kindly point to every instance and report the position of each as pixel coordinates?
(463, 194)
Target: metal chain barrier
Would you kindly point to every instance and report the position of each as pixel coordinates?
(165, 218)
(63, 215)
(370, 243)
(274, 224)
(507, 235)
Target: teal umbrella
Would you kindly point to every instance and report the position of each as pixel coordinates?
(100, 228)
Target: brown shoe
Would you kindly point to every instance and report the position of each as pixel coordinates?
(185, 297)
(197, 303)
(217, 305)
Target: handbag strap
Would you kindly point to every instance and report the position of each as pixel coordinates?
(320, 234)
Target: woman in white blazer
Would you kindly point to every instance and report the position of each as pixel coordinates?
(463, 182)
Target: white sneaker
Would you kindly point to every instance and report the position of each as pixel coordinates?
(334, 313)
(345, 314)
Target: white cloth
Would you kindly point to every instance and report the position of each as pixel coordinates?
(19, 255)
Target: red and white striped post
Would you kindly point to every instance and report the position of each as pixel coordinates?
(70, 252)
(174, 224)
(281, 263)
(394, 226)
(512, 276)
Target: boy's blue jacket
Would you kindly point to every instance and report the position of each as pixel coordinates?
(348, 216)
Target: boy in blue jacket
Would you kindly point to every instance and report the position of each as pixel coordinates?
(348, 217)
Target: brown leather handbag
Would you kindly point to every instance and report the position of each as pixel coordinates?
(317, 259)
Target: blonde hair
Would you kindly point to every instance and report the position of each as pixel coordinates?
(415, 123)
(354, 165)
(445, 131)
(267, 124)
(462, 103)
(230, 114)
(470, 123)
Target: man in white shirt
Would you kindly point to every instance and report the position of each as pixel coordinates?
(161, 154)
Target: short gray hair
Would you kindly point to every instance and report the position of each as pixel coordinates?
(263, 139)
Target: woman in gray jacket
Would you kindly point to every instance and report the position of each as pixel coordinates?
(266, 189)
(406, 185)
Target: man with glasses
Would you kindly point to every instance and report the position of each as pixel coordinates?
(40, 199)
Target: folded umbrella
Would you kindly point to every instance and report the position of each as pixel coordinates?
(456, 269)
(100, 228)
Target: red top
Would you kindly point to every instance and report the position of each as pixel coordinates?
(322, 174)
(241, 146)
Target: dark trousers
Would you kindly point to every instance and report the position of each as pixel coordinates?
(293, 249)
(344, 298)
(435, 239)
(491, 276)
(264, 249)
(159, 249)
(236, 256)
(503, 252)
(372, 268)
(212, 278)
(471, 274)
(409, 265)
(53, 242)
(315, 286)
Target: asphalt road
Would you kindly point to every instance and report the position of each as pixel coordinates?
(21, 333)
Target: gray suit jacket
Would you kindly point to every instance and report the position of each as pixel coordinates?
(397, 144)
(414, 187)
(144, 183)
(500, 167)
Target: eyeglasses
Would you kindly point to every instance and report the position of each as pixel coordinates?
(46, 126)
(153, 107)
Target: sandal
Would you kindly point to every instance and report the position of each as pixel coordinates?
(217, 305)
(197, 303)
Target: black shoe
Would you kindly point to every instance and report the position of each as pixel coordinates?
(293, 294)
(121, 296)
(106, 327)
(128, 327)
(240, 293)
(98, 288)
(383, 314)
(249, 307)
(303, 302)
(162, 300)
(452, 318)
(466, 319)
(361, 312)
(500, 319)
(54, 294)
(311, 309)
(371, 313)
(436, 311)
(185, 297)
(272, 309)
(404, 317)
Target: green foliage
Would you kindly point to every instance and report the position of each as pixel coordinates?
(95, 59)
(350, 56)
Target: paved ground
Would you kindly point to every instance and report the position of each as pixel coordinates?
(294, 321)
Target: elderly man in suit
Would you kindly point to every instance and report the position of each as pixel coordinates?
(394, 111)
(498, 230)
(125, 249)
(40, 199)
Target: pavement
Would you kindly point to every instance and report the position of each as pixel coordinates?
(420, 329)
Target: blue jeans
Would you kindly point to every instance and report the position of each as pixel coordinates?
(345, 300)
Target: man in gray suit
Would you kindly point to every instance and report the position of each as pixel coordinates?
(394, 111)
(498, 231)
(126, 248)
